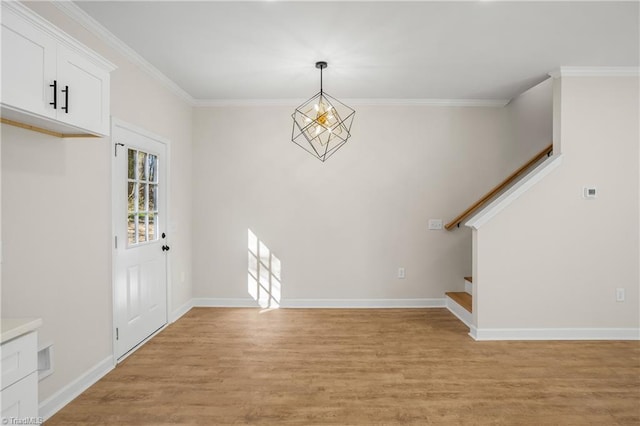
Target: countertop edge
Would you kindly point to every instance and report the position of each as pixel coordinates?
(16, 327)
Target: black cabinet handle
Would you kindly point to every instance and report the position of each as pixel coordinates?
(65, 108)
(166, 248)
(55, 94)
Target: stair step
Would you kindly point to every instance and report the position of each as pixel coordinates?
(470, 279)
(462, 298)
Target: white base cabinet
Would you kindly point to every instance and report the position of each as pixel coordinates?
(19, 401)
(19, 392)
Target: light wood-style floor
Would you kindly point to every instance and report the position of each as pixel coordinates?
(358, 367)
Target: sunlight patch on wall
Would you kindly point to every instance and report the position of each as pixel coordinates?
(263, 273)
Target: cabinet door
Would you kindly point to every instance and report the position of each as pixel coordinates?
(20, 400)
(28, 66)
(85, 103)
(19, 358)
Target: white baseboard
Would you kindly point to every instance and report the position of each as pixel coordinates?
(363, 303)
(58, 400)
(178, 313)
(322, 303)
(212, 302)
(463, 315)
(555, 333)
(473, 332)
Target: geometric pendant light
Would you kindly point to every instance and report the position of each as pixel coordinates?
(322, 124)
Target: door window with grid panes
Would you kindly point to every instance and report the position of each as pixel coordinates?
(142, 203)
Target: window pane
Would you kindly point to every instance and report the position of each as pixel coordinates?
(131, 229)
(142, 197)
(153, 168)
(142, 165)
(142, 228)
(132, 197)
(132, 164)
(152, 227)
(153, 189)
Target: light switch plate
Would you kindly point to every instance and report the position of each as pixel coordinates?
(401, 273)
(435, 224)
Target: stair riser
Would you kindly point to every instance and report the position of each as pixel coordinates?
(463, 315)
(468, 287)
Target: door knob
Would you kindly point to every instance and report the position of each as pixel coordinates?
(166, 248)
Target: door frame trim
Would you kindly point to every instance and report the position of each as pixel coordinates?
(115, 123)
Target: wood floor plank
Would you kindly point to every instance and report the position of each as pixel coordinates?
(358, 367)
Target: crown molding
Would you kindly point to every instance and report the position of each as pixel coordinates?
(246, 102)
(595, 72)
(492, 103)
(97, 29)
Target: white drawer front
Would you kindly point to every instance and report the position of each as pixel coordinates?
(20, 400)
(19, 358)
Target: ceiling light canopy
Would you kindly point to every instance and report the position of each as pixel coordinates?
(322, 124)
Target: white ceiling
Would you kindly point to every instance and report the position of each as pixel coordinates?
(376, 50)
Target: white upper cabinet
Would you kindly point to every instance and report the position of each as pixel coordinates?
(83, 98)
(49, 80)
(28, 66)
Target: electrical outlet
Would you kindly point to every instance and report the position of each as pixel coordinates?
(619, 294)
(589, 192)
(401, 273)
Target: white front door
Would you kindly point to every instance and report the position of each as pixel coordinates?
(140, 243)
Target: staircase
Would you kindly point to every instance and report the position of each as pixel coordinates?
(460, 303)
